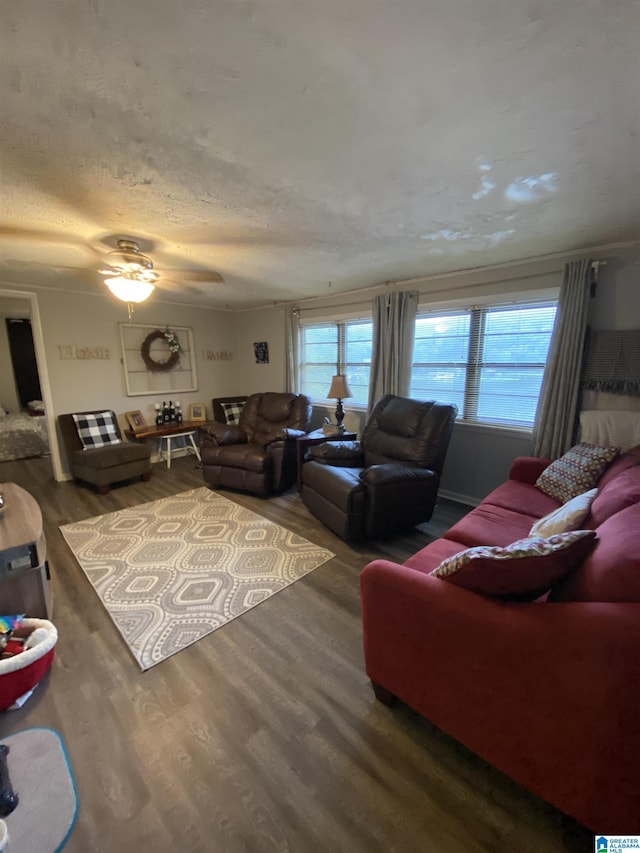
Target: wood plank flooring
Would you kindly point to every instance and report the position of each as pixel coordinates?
(264, 737)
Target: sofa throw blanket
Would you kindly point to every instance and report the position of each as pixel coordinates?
(610, 428)
(612, 362)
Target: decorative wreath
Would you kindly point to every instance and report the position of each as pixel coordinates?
(174, 351)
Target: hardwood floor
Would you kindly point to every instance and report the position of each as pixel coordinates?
(265, 736)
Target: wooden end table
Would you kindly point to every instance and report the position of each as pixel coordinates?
(317, 437)
(166, 433)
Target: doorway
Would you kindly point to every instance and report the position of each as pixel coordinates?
(23, 360)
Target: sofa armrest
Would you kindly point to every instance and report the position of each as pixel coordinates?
(220, 434)
(527, 469)
(602, 635)
(348, 454)
(390, 473)
(533, 688)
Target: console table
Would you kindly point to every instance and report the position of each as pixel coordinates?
(166, 433)
(166, 429)
(24, 572)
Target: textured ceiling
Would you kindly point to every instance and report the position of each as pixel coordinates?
(307, 148)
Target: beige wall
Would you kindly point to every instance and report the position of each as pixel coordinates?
(87, 320)
(10, 307)
(479, 457)
(264, 324)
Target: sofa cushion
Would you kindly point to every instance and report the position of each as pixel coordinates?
(626, 460)
(612, 571)
(248, 456)
(520, 571)
(569, 516)
(429, 558)
(618, 494)
(578, 470)
(492, 525)
(97, 429)
(110, 456)
(523, 498)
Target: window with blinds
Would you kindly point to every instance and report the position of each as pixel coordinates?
(489, 360)
(330, 348)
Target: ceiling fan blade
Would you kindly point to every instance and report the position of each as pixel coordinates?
(202, 276)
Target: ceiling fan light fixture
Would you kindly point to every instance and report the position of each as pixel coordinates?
(129, 289)
(128, 258)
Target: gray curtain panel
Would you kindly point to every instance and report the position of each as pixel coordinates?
(291, 329)
(394, 316)
(556, 416)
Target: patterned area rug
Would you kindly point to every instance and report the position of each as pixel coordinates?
(172, 571)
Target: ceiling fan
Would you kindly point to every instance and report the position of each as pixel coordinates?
(126, 270)
(129, 274)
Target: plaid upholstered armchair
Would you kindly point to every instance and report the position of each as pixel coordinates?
(96, 452)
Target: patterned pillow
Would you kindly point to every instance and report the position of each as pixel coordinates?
(577, 471)
(232, 412)
(521, 571)
(567, 517)
(96, 430)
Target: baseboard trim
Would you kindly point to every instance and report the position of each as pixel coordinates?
(458, 498)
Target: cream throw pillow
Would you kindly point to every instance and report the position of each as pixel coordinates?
(569, 516)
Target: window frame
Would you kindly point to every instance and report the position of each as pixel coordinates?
(474, 364)
(341, 365)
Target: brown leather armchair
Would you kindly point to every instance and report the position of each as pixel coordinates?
(259, 453)
(389, 480)
(103, 466)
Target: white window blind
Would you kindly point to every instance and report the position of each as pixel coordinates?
(330, 348)
(489, 360)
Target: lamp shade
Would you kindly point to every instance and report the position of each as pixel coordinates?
(339, 388)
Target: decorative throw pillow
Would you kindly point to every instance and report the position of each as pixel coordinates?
(96, 430)
(567, 517)
(232, 412)
(521, 571)
(577, 471)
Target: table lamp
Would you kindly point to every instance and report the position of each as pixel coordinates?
(338, 391)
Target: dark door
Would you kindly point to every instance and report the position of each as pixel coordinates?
(23, 358)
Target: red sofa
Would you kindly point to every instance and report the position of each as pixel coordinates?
(546, 691)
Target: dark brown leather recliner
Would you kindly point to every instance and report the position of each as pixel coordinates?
(389, 480)
(259, 453)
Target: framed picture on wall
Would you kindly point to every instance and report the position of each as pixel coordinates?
(135, 420)
(197, 412)
(158, 360)
(261, 351)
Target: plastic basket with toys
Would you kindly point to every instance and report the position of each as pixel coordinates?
(26, 652)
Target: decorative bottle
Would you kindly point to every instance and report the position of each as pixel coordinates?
(165, 412)
(178, 412)
(156, 406)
